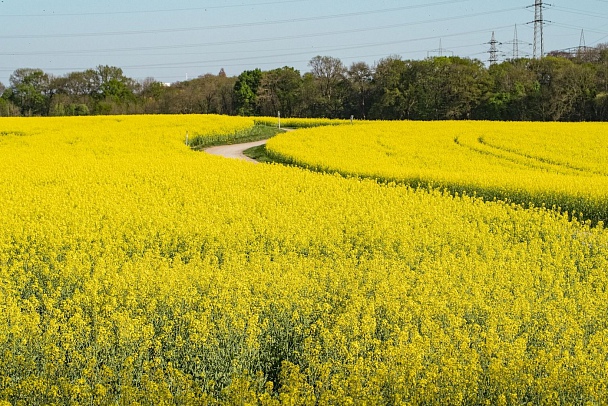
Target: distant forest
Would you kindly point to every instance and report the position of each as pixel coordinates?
(558, 87)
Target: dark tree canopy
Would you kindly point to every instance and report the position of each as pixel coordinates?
(279, 91)
(559, 87)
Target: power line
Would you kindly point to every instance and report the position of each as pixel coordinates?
(152, 11)
(253, 24)
(154, 45)
(601, 39)
(206, 63)
(578, 28)
(268, 39)
(305, 50)
(579, 12)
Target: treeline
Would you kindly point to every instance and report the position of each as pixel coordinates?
(558, 87)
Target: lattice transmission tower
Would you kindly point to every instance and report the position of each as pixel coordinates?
(582, 46)
(493, 50)
(516, 42)
(539, 23)
(439, 51)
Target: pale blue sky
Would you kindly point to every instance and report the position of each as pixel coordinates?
(172, 41)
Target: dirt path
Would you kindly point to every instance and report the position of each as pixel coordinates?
(235, 151)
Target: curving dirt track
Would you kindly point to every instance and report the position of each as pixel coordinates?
(235, 151)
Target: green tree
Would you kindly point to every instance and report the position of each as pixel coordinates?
(7, 108)
(30, 91)
(245, 92)
(329, 78)
(149, 94)
(280, 90)
(114, 85)
(203, 95)
(359, 77)
(447, 88)
(72, 92)
(311, 105)
(82, 84)
(513, 87)
(566, 89)
(389, 89)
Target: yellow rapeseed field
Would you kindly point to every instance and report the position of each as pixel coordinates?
(561, 165)
(134, 270)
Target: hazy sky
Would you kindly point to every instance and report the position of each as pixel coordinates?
(179, 39)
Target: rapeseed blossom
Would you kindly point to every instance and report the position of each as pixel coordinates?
(135, 270)
(558, 165)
